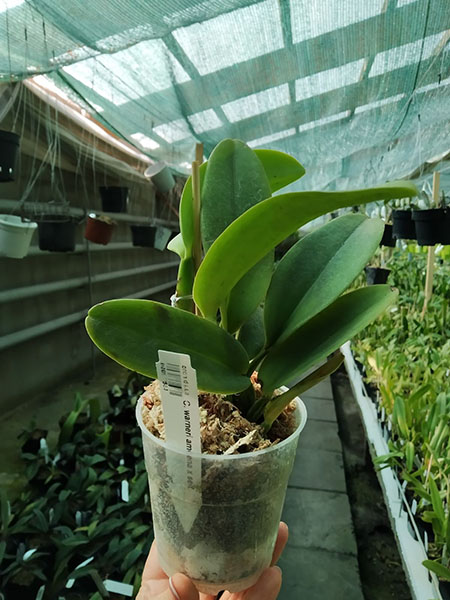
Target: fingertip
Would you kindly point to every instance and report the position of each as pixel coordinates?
(267, 587)
(282, 537)
(183, 588)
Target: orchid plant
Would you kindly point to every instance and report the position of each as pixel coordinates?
(240, 317)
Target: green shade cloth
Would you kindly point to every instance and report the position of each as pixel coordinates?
(357, 90)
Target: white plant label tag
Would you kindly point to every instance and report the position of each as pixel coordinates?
(179, 399)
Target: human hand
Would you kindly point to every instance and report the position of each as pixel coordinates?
(157, 586)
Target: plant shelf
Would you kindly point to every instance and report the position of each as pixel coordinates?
(423, 584)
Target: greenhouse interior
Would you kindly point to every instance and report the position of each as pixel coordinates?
(225, 287)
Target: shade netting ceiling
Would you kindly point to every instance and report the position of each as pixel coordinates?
(357, 90)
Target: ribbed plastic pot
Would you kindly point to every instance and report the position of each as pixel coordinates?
(143, 235)
(15, 236)
(98, 231)
(403, 227)
(387, 239)
(9, 154)
(162, 238)
(376, 275)
(114, 198)
(234, 510)
(161, 176)
(57, 234)
(429, 225)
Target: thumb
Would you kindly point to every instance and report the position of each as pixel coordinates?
(180, 588)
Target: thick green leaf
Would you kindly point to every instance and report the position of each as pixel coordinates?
(438, 568)
(235, 181)
(132, 331)
(252, 335)
(317, 270)
(281, 169)
(323, 334)
(248, 293)
(248, 239)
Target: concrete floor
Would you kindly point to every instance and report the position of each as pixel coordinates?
(320, 560)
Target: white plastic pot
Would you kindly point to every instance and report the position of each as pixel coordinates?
(161, 176)
(15, 236)
(222, 531)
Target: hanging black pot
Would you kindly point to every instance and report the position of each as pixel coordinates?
(403, 227)
(387, 239)
(114, 199)
(143, 235)
(9, 153)
(57, 233)
(375, 275)
(445, 237)
(429, 226)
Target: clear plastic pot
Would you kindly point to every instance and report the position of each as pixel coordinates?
(221, 531)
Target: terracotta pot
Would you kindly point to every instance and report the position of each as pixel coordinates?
(98, 230)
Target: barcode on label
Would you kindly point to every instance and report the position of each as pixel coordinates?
(173, 375)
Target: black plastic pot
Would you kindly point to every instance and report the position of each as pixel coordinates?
(403, 227)
(143, 235)
(430, 225)
(57, 234)
(387, 239)
(375, 275)
(445, 238)
(114, 199)
(9, 154)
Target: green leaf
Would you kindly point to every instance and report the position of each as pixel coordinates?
(2, 550)
(399, 416)
(132, 331)
(235, 180)
(139, 487)
(436, 500)
(248, 239)
(187, 214)
(176, 245)
(252, 334)
(438, 568)
(409, 454)
(281, 169)
(316, 270)
(248, 294)
(277, 404)
(5, 512)
(323, 334)
(68, 425)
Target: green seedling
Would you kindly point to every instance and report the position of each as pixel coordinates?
(238, 313)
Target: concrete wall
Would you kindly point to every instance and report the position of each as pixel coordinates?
(44, 360)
